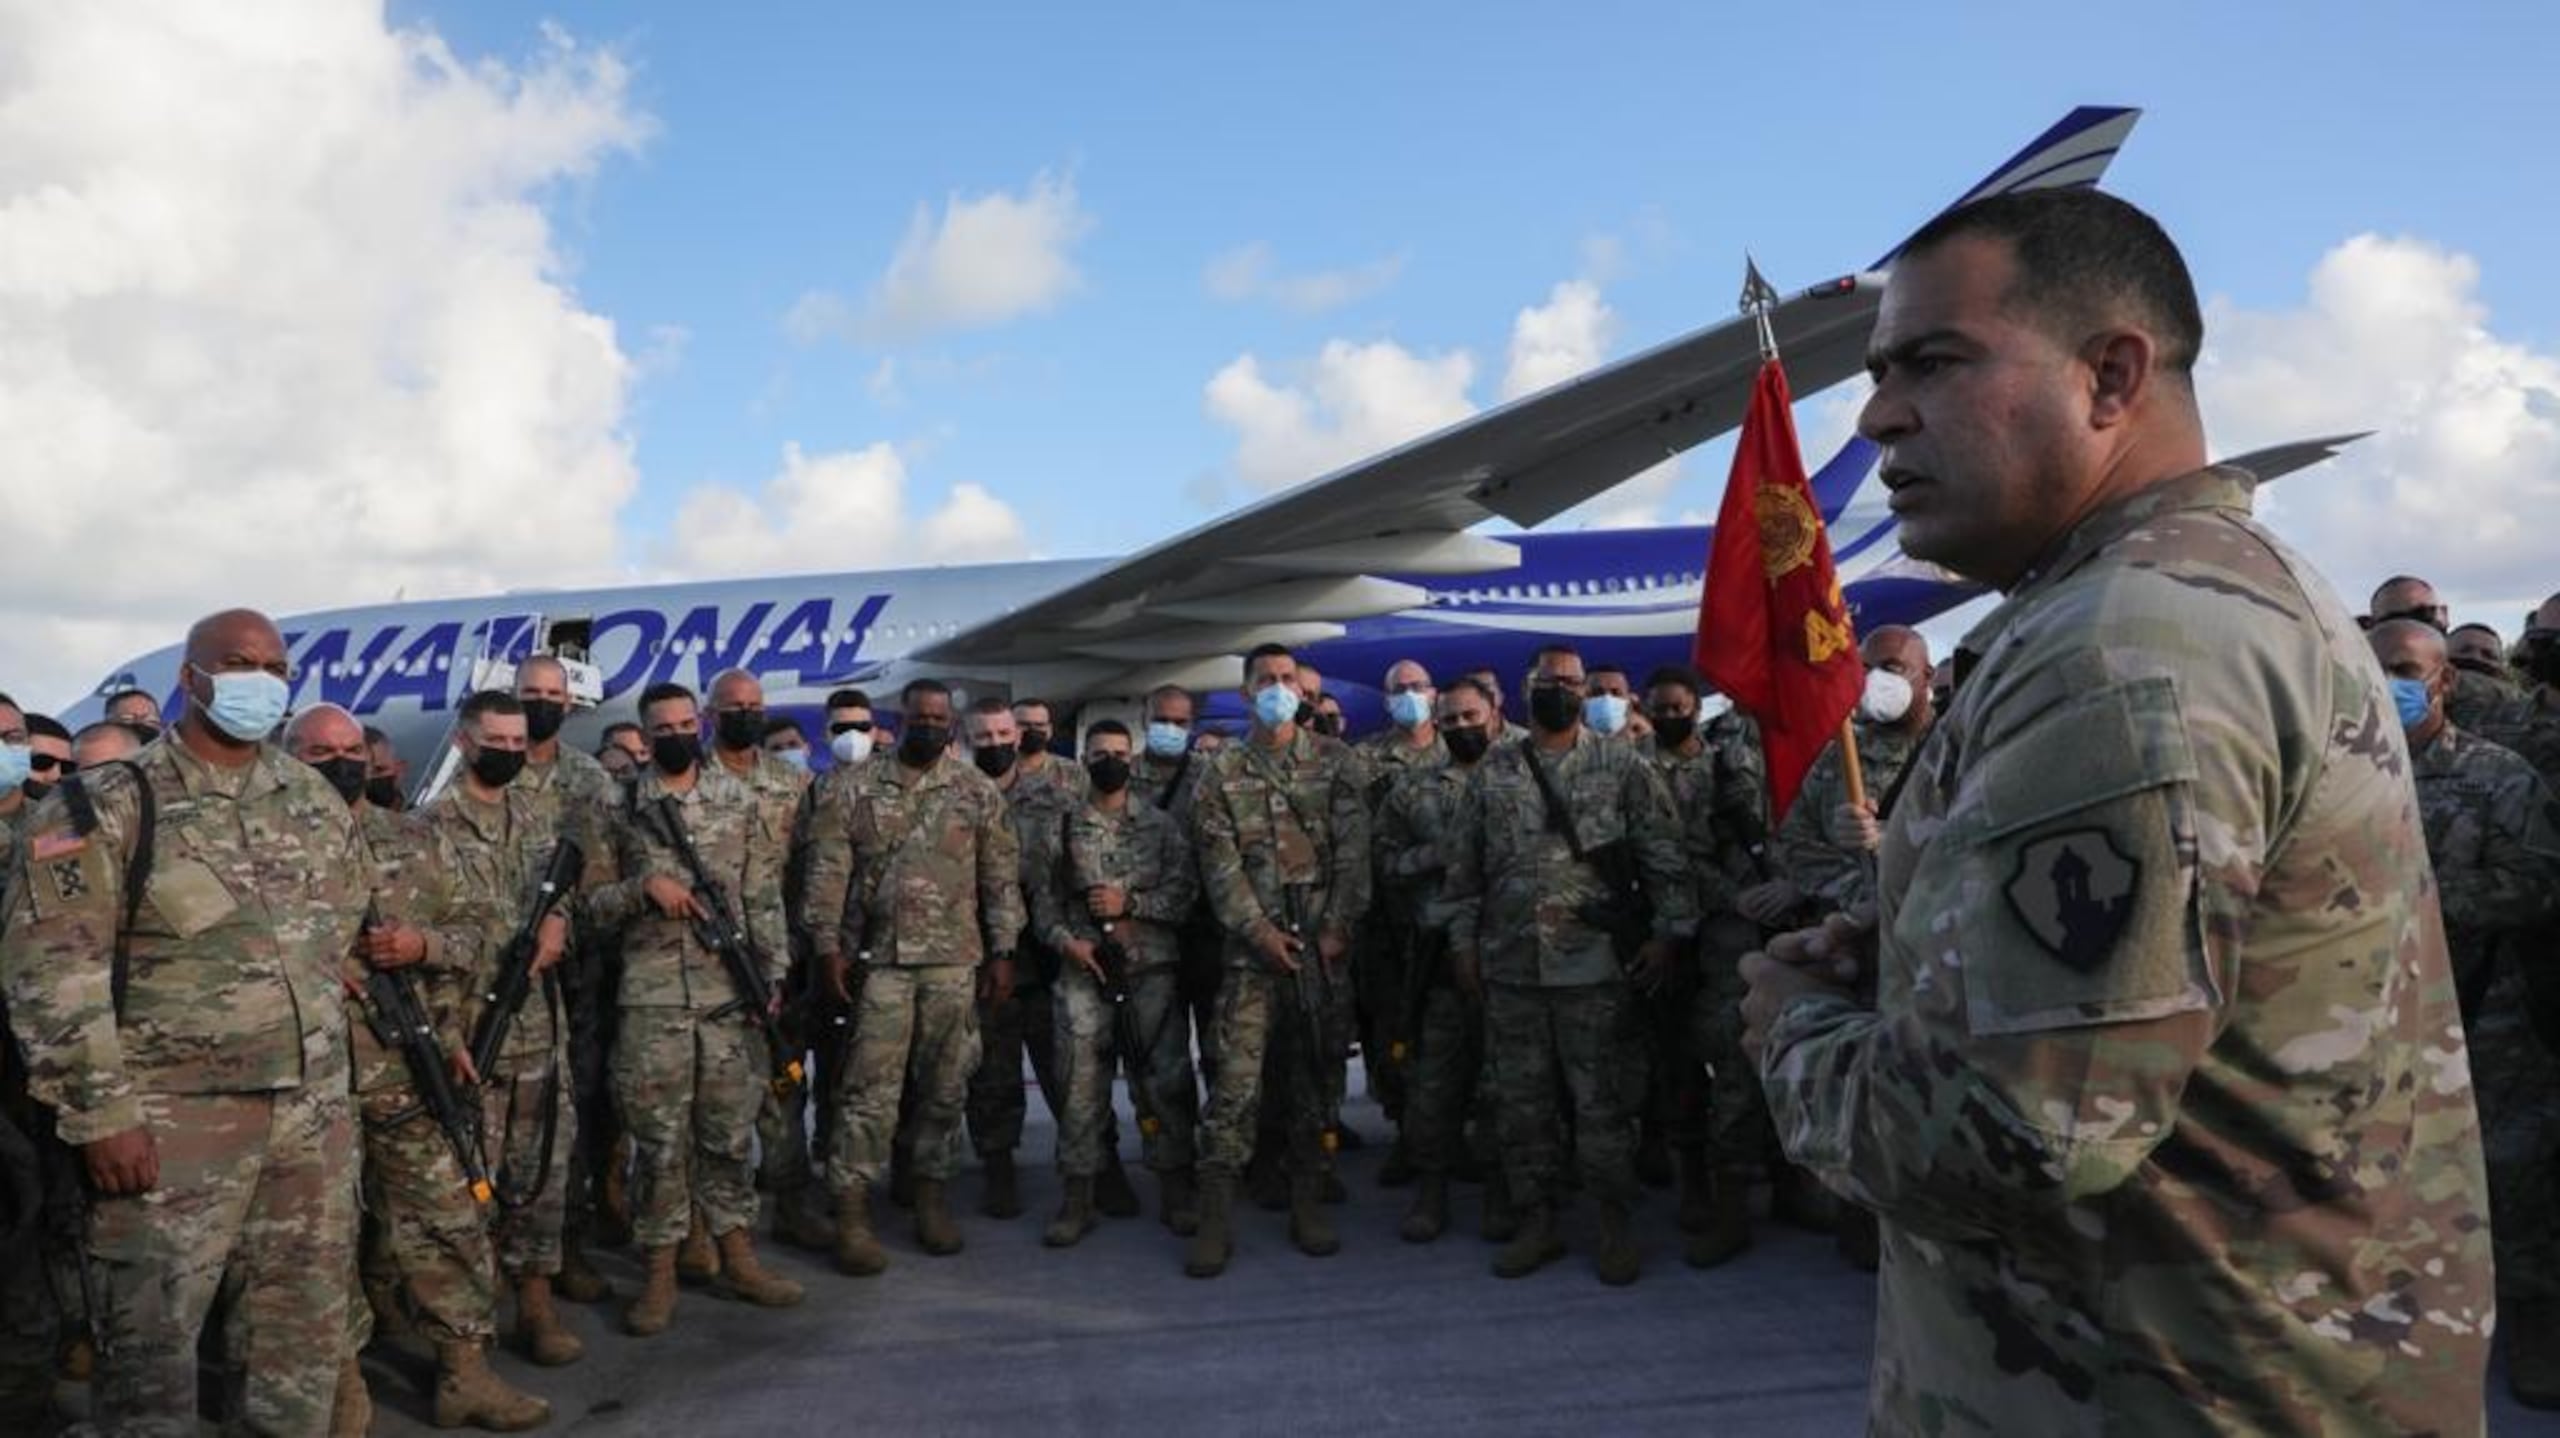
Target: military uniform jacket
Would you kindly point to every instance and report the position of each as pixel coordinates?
(930, 861)
(256, 892)
(589, 801)
(1140, 850)
(2531, 728)
(1276, 820)
(1414, 825)
(1717, 814)
(2493, 833)
(1831, 873)
(663, 964)
(412, 877)
(499, 852)
(1390, 755)
(1038, 810)
(2164, 1103)
(1515, 890)
(1172, 785)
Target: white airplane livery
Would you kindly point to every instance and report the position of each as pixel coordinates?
(1387, 559)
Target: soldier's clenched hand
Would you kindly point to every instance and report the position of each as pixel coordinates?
(1106, 901)
(838, 975)
(672, 898)
(1332, 945)
(122, 1164)
(995, 981)
(391, 946)
(1854, 826)
(1652, 965)
(1279, 947)
(1834, 958)
(550, 942)
(1768, 903)
(1086, 957)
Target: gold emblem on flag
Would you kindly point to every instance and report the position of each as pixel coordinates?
(1827, 636)
(1788, 528)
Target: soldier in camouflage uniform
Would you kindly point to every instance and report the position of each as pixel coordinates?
(1169, 773)
(1381, 966)
(925, 871)
(690, 1071)
(2493, 834)
(2163, 1098)
(502, 833)
(2531, 724)
(1526, 884)
(209, 1098)
(1827, 848)
(1446, 1047)
(1117, 872)
(428, 1245)
(1283, 830)
(850, 728)
(28, 1317)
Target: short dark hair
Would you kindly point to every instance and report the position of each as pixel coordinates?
(1162, 690)
(907, 696)
(374, 735)
(849, 699)
(1266, 651)
(1677, 675)
(2084, 258)
(48, 727)
(2489, 629)
(8, 703)
(779, 723)
(618, 726)
(1100, 727)
(665, 691)
(1469, 683)
(989, 705)
(487, 702)
(92, 730)
(1553, 649)
(1607, 666)
(1034, 701)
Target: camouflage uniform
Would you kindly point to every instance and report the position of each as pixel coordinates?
(2479, 699)
(1273, 822)
(1447, 1053)
(230, 1051)
(1832, 872)
(1035, 806)
(689, 1085)
(2493, 833)
(931, 863)
(499, 854)
(1712, 1098)
(29, 1317)
(1556, 1000)
(589, 799)
(1173, 786)
(785, 797)
(1382, 962)
(1140, 850)
(2164, 1104)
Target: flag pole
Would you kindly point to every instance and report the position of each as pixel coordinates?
(1759, 297)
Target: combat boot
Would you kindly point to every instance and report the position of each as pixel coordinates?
(1429, 1216)
(2533, 1353)
(1617, 1260)
(1003, 1198)
(1075, 1216)
(1310, 1227)
(1181, 1202)
(578, 1281)
(538, 1330)
(350, 1408)
(696, 1260)
(744, 1276)
(800, 1218)
(468, 1395)
(1728, 1227)
(1112, 1191)
(858, 1249)
(1697, 1203)
(1534, 1244)
(1205, 1256)
(1501, 1220)
(935, 1232)
(655, 1308)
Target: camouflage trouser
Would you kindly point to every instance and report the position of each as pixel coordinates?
(1088, 1042)
(1261, 1015)
(1734, 1122)
(429, 1233)
(1537, 1034)
(688, 1091)
(931, 1014)
(527, 1223)
(782, 1139)
(1007, 1032)
(1441, 1080)
(265, 1182)
(2519, 1096)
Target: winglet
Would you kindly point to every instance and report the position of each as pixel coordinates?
(2278, 460)
(2073, 154)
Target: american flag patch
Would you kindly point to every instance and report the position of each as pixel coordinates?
(45, 847)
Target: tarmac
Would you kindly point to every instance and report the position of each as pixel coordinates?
(1109, 1337)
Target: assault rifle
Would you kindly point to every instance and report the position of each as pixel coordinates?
(1309, 984)
(719, 929)
(513, 982)
(400, 1020)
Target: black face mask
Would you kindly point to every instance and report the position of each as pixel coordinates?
(497, 768)
(1110, 774)
(2542, 655)
(922, 744)
(382, 793)
(739, 728)
(35, 789)
(1554, 708)
(543, 718)
(1673, 730)
(1329, 725)
(1035, 742)
(2427, 615)
(674, 753)
(1306, 716)
(994, 760)
(2489, 667)
(345, 775)
(1467, 742)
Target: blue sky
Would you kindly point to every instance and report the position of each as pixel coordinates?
(1482, 146)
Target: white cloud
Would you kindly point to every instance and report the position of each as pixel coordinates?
(844, 509)
(1551, 343)
(286, 324)
(2463, 469)
(1351, 402)
(988, 259)
(1251, 273)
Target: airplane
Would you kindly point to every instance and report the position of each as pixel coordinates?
(1380, 561)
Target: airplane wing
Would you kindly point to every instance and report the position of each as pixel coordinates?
(1295, 567)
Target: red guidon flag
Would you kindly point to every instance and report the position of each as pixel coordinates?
(1773, 630)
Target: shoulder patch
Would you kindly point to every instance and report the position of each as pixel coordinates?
(2073, 891)
(70, 881)
(61, 844)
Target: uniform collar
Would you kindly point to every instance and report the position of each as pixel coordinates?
(2215, 487)
(197, 777)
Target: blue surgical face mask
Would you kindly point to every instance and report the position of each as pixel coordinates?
(2410, 697)
(247, 705)
(1409, 708)
(1605, 713)
(14, 766)
(1275, 705)
(796, 758)
(1167, 741)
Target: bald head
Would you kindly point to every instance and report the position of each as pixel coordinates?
(230, 635)
(737, 689)
(105, 742)
(324, 726)
(1899, 646)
